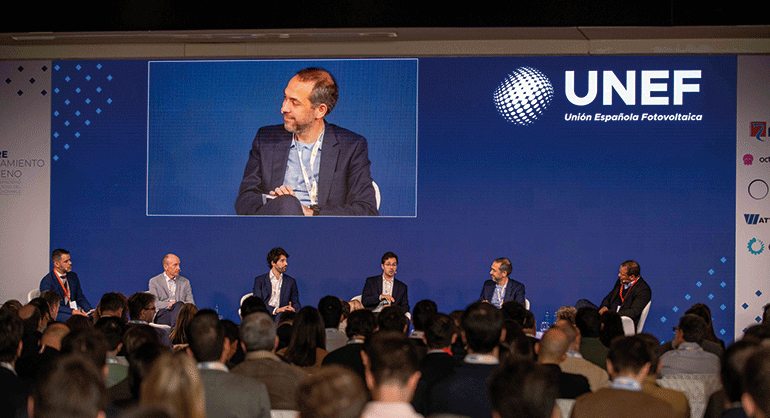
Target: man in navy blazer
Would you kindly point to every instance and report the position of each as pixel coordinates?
(66, 283)
(373, 295)
(285, 296)
(501, 288)
(285, 175)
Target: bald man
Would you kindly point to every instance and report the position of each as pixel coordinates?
(171, 291)
(551, 351)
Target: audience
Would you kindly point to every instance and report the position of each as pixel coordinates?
(438, 363)
(178, 335)
(727, 402)
(117, 366)
(333, 392)
(330, 309)
(612, 327)
(589, 323)
(575, 363)
(392, 373)
(174, 383)
(361, 324)
(141, 309)
(551, 351)
(14, 394)
(756, 381)
(392, 318)
(72, 387)
(307, 347)
(522, 388)
(650, 385)
(227, 394)
(688, 357)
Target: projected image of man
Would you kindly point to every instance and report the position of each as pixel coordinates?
(307, 166)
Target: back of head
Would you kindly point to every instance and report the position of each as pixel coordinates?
(513, 310)
(186, 314)
(633, 268)
(78, 323)
(307, 335)
(137, 303)
(71, 388)
(693, 327)
(652, 343)
(30, 316)
(523, 389)
(137, 335)
(568, 328)
(392, 358)
(588, 322)
(529, 320)
(628, 355)
(113, 329)
(53, 298)
(325, 88)
(112, 302)
(439, 330)
(361, 322)
(206, 336)
(12, 305)
(567, 313)
(174, 382)
(331, 311)
(393, 319)
(251, 305)
(553, 346)
(333, 392)
(756, 380)
(482, 325)
(612, 327)
(42, 305)
(11, 331)
(733, 367)
(423, 310)
(89, 343)
(258, 332)
(141, 360)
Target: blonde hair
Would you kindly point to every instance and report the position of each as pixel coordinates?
(174, 384)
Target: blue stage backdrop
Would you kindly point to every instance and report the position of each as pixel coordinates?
(566, 165)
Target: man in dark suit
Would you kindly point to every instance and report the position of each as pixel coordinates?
(361, 324)
(14, 395)
(630, 294)
(278, 290)
(227, 394)
(285, 174)
(66, 283)
(383, 290)
(501, 288)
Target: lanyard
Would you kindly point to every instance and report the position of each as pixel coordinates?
(623, 298)
(66, 288)
(311, 186)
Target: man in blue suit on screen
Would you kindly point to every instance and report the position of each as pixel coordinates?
(307, 166)
(501, 288)
(66, 283)
(278, 290)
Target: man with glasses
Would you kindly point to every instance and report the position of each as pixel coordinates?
(141, 309)
(384, 289)
(628, 297)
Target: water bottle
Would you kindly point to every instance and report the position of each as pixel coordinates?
(546, 322)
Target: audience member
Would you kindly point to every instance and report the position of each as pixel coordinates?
(12, 305)
(174, 383)
(355, 305)
(284, 328)
(710, 343)
(575, 363)
(516, 342)
(392, 318)
(551, 351)
(628, 364)
(54, 300)
(233, 336)
(438, 362)
(72, 387)
(392, 374)
(142, 346)
(330, 309)
(732, 369)
(361, 324)
(227, 394)
(178, 335)
(345, 313)
(422, 311)
(13, 392)
(28, 368)
(522, 388)
(45, 312)
(112, 304)
(31, 321)
(307, 347)
(259, 341)
(252, 304)
(756, 381)
(333, 392)
(612, 327)
(141, 308)
(688, 356)
(77, 323)
(117, 366)
(589, 323)
(650, 385)
(89, 343)
(567, 313)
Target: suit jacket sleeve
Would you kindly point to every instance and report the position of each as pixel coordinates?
(77, 292)
(186, 295)
(609, 298)
(370, 297)
(262, 288)
(519, 292)
(641, 295)
(351, 192)
(294, 295)
(250, 194)
(160, 291)
(403, 297)
(483, 296)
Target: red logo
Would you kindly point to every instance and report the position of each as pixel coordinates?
(759, 129)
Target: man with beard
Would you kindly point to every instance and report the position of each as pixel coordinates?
(278, 290)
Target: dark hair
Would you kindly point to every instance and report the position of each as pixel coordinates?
(529, 320)
(186, 314)
(522, 388)
(57, 253)
(517, 341)
(307, 334)
(423, 310)
(90, 343)
(633, 268)
(387, 256)
(78, 323)
(757, 379)
(361, 322)
(653, 344)
(31, 322)
(112, 301)
(505, 265)
(139, 334)
(392, 318)
(588, 322)
(333, 392)
(139, 302)
(72, 387)
(325, 88)
(766, 314)
(274, 255)
(53, 298)
(43, 306)
(514, 311)
(11, 331)
(703, 311)
(439, 329)
(206, 336)
(628, 354)
(733, 366)
(141, 360)
(253, 304)
(392, 357)
(612, 327)
(112, 328)
(693, 328)
(330, 309)
(482, 324)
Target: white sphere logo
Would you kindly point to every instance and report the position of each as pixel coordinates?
(523, 96)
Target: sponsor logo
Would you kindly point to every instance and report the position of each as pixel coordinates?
(759, 130)
(754, 218)
(756, 246)
(748, 159)
(523, 96)
(653, 86)
(758, 189)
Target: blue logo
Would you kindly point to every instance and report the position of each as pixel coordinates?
(754, 249)
(754, 218)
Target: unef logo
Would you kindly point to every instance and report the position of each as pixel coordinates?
(759, 130)
(652, 87)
